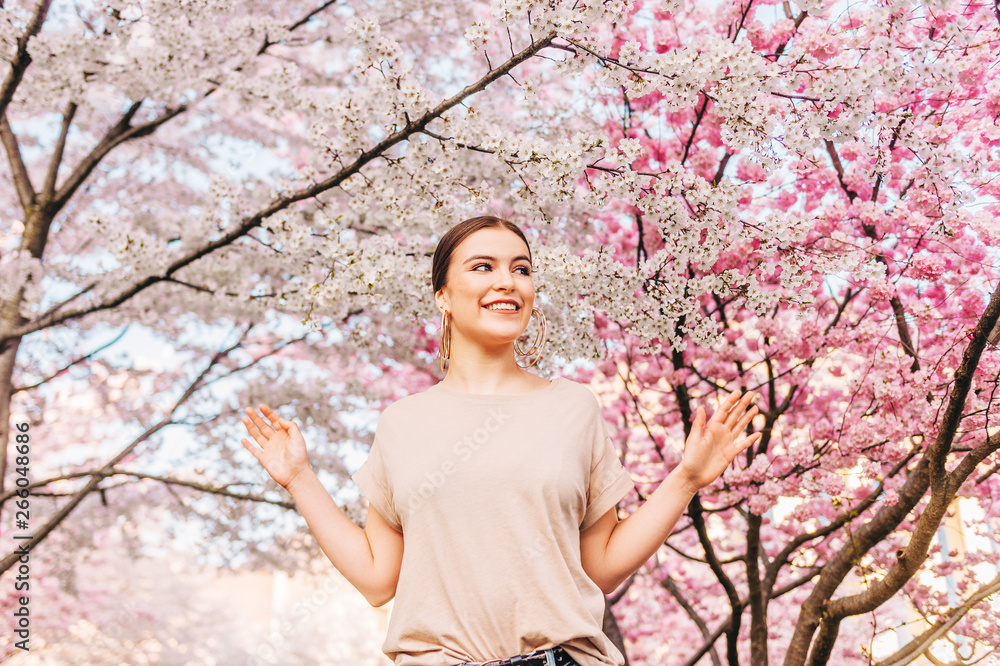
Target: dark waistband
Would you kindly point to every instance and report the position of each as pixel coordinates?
(537, 658)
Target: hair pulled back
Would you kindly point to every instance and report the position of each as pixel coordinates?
(458, 233)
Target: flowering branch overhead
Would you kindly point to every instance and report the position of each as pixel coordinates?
(785, 199)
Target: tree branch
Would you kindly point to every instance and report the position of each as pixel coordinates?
(284, 202)
(912, 650)
(18, 170)
(118, 134)
(26, 546)
(670, 586)
(697, 518)
(302, 21)
(782, 558)
(214, 490)
(694, 129)
(960, 389)
(897, 305)
(915, 552)
(66, 367)
(826, 637)
(795, 29)
(831, 150)
(929, 472)
(756, 596)
(168, 480)
(811, 573)
(21, 59)
(964, 469)
(49, 186)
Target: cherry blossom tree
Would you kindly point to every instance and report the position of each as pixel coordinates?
(792, 198)
(847, 150)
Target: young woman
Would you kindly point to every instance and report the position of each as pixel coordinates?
(502, 484)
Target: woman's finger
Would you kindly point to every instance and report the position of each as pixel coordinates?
(737, 411)
(269, 417)
(254, 431)
(252, 449)
(264, 428)
(272, 416)
(747, 418)
(722, 412)
(746, 442)
(698, 425)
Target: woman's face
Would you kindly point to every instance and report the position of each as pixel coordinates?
(489, 291)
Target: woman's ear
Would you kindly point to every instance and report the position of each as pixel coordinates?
(441, 300)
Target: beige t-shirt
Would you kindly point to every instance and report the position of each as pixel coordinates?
(491, 494)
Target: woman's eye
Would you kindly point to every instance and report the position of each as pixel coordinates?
(524, 270)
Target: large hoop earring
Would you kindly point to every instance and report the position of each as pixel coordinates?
(444, 349)
(537, 345)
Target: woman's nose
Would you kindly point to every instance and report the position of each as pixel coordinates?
(505, 279)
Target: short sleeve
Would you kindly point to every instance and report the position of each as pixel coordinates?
(609, 480)
(373, 481)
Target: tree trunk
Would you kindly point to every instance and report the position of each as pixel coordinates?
(757, 598)
(7, 359)
(36, 233)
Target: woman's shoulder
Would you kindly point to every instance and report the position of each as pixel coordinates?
(578, 391)
(410, 402)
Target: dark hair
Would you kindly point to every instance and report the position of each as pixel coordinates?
(458, 233)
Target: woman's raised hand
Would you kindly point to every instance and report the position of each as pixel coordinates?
(712, 444)
(281, 448)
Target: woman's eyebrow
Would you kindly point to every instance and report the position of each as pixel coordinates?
(489, 258)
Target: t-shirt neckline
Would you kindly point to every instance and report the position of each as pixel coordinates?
(496, 397)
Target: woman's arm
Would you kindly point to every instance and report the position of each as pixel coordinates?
(611, 551)
(368, 558)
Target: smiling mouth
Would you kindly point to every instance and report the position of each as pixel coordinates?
(506, 308)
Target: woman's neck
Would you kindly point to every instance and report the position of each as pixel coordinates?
(475, 369)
